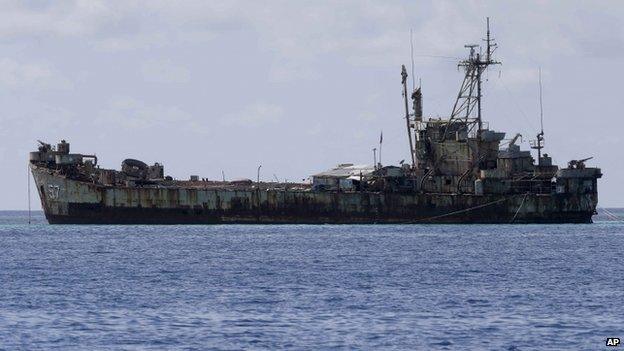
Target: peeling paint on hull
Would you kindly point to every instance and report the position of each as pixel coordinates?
(68, 201)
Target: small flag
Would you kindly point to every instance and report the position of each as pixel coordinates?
(381, 137)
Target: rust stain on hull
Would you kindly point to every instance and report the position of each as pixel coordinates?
(68, 201)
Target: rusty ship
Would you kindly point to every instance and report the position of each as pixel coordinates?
(460, 171)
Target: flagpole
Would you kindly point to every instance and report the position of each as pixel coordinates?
(380, 142)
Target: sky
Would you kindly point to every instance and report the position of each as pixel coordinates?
(296, 86)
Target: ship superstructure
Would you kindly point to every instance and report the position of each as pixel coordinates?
(460, 154)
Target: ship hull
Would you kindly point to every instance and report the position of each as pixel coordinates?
(67, 201)
(121, 215)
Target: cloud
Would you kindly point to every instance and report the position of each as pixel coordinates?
(18, 75)
(132, 114)
(297, 34)
(116, 26)
(164, 71)
(300, 34)
(36, 118)
(283, 70)
(301, 29)
(344, 51)
(61, 18)
(255, 115)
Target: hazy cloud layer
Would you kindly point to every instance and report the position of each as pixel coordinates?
(254, 115)
(31, 76)
(297, 86)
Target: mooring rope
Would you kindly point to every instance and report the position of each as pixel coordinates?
(610, 214)
(519, 207)
(462, 211)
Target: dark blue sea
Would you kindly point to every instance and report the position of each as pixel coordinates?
(247, 287)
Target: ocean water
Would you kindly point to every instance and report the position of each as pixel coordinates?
(407, 287)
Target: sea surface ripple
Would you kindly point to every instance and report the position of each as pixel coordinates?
(301, 287)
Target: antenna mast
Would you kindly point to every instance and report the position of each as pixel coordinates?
(539, 142)
(541, 108)
(407, 114)
(469, 95)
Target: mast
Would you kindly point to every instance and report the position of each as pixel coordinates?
(470, 92)
(488, 40)
(407, 114)
(488, 61)
(540, 100)
(539, 142)
(479, 120)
